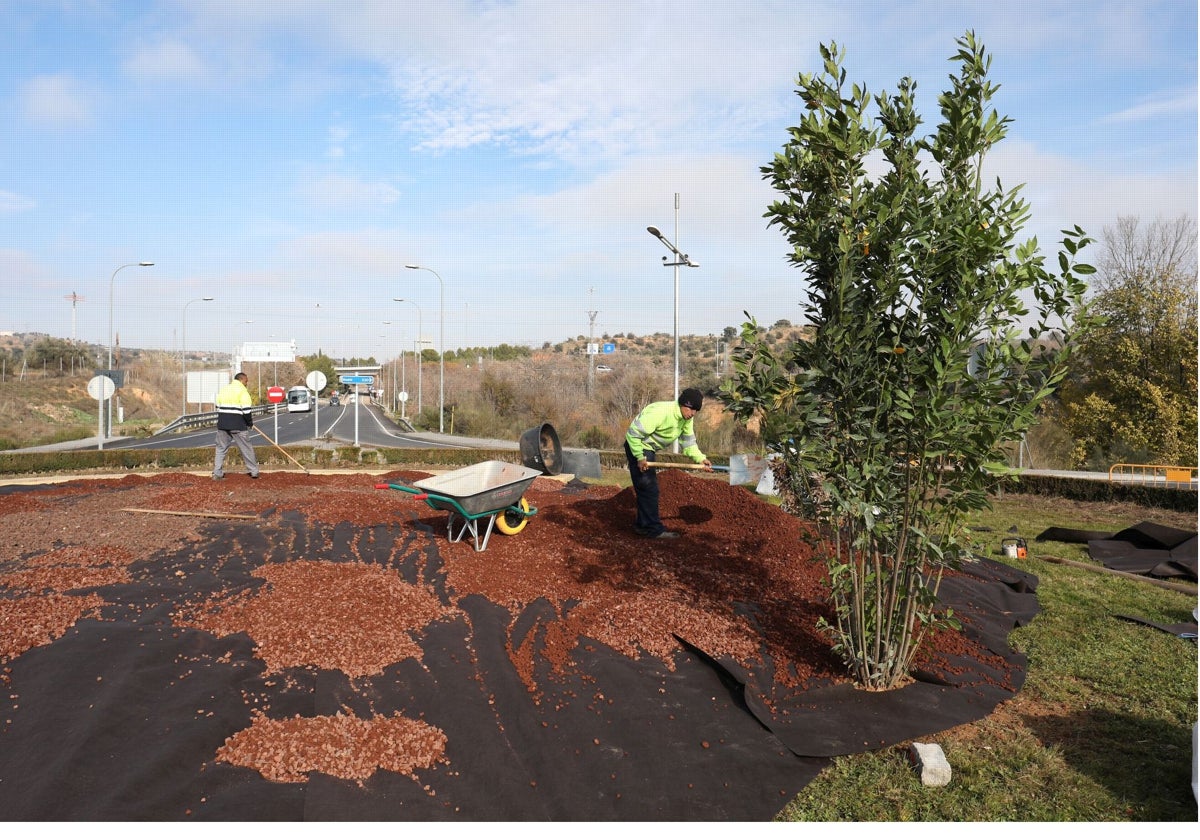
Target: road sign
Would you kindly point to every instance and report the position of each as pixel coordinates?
(357, 379)
(268, 351)
(610, 347)
(100, 387)
(275, 394)
(316, 380)
(117, 377)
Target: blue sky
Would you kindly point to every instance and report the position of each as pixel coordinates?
(289, 159)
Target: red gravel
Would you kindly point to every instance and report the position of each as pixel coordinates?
(339, 745)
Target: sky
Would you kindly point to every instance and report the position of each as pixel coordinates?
(290, 159)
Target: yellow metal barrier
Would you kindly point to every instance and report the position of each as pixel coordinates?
(1151, 473)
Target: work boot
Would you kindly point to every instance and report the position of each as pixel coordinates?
(666, 535)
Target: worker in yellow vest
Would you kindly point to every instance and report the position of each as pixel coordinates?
(658, 425)
(235, 419)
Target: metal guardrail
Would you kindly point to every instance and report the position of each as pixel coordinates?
(207, 418)
(1171, 476)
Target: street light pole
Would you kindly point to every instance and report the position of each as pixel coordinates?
(416, 346)
(680, 259)
(441, 345)
(184, 353)
(111, 282)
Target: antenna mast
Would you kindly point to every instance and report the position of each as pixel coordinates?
(74, 298)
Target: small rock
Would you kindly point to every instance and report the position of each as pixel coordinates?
(931, 762)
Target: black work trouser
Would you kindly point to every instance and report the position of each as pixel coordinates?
(645, 488)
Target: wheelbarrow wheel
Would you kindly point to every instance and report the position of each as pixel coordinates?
(510, 522)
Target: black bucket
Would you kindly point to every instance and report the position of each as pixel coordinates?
(540, 449)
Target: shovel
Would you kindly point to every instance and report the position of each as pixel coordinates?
(742, 469)
(749, 469)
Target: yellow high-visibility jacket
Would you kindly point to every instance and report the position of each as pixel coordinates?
(657, 426)
(234, 408)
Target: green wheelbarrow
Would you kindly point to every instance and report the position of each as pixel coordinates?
(489, 494)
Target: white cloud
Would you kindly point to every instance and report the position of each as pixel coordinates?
(1153, 108)
(169, 60)
(722, 199)
(569, 81)
(13, 203)
(18, 263)
(1063, 192)
(337, 137)
(57, 100)
(344, 191)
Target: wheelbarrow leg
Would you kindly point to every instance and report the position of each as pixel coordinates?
(470, 526)
(464, 528)
(487, 533)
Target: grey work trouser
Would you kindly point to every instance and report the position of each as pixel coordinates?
(242, 439)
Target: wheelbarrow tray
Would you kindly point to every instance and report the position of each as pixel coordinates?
(479, 489)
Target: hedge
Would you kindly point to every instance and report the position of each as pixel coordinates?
(1180, 498)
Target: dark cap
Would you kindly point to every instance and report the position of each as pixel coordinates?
(691, 398)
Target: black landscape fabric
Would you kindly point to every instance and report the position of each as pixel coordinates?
(121, 717)
(1144, 549)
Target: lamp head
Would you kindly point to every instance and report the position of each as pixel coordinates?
(654, 232)
(145, 263)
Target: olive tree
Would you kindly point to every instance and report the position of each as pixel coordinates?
(934, 335)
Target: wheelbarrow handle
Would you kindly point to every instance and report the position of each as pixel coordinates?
(405, 488)
(417, 494)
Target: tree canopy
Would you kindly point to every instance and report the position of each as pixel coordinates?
(890, 415)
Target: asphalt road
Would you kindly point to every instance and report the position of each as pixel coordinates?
(361, 425)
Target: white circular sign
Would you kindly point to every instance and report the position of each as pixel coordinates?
(403, 396)
(100, 388)
(316, 380)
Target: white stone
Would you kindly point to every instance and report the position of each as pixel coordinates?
(931, 762)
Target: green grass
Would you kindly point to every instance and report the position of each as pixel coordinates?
(1102, 729)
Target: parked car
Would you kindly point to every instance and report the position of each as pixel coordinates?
(603, 368)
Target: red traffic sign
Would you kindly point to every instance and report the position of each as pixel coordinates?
(275, 394)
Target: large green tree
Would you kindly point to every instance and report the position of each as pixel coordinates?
(1132, 394)
(924, 356)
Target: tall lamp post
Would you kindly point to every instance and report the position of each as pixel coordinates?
(441, 345)
(416, 344)
(111, 281)
(679, 259)
(184, 353)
